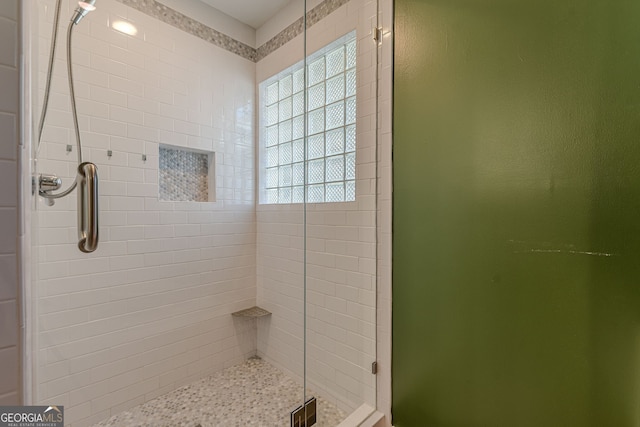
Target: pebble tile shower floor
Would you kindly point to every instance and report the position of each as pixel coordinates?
(253, 393)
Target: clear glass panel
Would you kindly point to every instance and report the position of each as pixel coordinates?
(294, 141)
(281, 160)
(340, 335)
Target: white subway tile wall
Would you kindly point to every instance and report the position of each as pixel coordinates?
(341, 245)
(150, 309)
(10, 389)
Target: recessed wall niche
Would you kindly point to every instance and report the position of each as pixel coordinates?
(186, 175)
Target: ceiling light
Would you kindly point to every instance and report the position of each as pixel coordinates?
(125, 27)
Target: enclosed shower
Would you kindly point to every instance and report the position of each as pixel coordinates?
(238, 211)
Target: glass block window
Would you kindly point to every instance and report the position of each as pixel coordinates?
(329, 159)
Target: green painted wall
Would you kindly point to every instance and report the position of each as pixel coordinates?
(516, 293)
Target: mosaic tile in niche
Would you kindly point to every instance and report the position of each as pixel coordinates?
(183, 175)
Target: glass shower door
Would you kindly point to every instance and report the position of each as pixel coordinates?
(191, 310)
(280, 209)
(341, 209)
(238, 198)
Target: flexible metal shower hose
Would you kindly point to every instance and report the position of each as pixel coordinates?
(72, 96)
(52, 54)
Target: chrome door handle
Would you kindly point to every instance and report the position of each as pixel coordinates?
(87, 207)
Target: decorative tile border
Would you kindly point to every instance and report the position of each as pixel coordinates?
(176, 19)
(314, 16)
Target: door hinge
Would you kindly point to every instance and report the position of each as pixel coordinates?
(304, 416)
(374, 368)
(377, 35)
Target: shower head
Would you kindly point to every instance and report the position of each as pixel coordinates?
(83, 8)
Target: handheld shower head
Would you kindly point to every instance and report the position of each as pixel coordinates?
(84, 7)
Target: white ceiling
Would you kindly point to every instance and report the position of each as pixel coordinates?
(252, 12)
